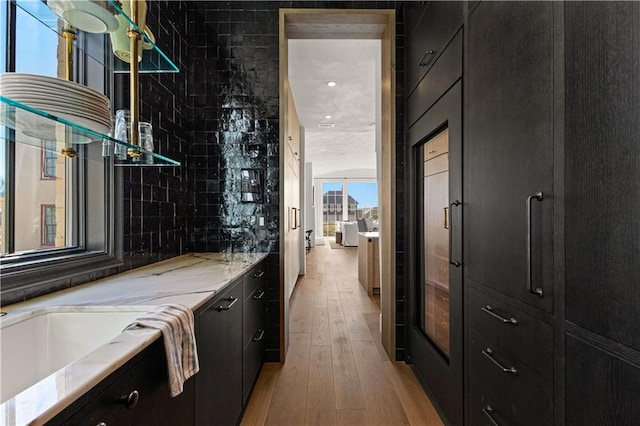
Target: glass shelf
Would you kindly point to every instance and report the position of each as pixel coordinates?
(32, 126)
(153, 60)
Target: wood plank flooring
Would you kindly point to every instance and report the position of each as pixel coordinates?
(337, 372)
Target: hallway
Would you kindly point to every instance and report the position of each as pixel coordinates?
(336, 370)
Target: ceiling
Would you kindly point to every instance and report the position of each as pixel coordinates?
(347, 149)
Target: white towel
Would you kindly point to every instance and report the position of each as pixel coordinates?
(176, 324)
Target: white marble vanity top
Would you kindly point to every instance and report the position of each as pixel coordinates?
(190, 279)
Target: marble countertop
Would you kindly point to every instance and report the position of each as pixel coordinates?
(191, 280)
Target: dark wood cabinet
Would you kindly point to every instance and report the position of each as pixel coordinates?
(429, 29)
(528, 339)
(231, 346)
(254, 327)
(602, 388)
(509, 149)
(230, 330)
(145, 374)
(218, 385)
(509, 228)
(602, 212)
(520, 393)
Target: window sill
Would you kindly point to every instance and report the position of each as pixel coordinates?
(34, 278)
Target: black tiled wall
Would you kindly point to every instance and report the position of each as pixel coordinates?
(155, 199)
(235, 124)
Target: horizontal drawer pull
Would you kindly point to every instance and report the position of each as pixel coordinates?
(488, 411)
(231, 299)
(258, 274)
(489, 354)
(488, 309)
(259, 296)
(259, 335)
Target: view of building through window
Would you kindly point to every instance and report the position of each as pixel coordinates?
(348, 202)
(39, 178)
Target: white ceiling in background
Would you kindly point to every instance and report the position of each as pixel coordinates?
(347, 149)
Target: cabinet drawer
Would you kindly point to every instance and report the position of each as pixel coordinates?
(444, 73)
(148, 377)
(529, 340)
(431, 34)
(252, 358)
(254, 278)
(254, 314)
(522, 395)
(486, 410)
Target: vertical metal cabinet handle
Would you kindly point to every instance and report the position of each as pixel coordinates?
(456, 263)
(258, 274)
(231, 299)
(489, 354)
(445, 214)
(488, 309)
(427, 53)
(538, 290)
(260, 334)
(131, 400)
(259, 296)
(488, 411)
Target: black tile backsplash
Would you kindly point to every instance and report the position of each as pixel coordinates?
(234, 76)
(155, 199)
(220, 115)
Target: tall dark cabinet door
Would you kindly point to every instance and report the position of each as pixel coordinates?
(509, 150)
(602, 211)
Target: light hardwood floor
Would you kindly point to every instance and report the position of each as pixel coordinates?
(336, 372)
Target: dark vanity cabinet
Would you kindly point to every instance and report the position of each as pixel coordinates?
(135, 394)
(230, 335)
(230, 331)
(219, 336)
(253, 327)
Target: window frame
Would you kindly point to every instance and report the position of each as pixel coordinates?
(97, 249)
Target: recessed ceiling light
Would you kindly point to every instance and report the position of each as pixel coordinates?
(331, 83)
(326, 125)
(328, 117)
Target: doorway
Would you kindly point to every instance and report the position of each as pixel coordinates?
(343, 24)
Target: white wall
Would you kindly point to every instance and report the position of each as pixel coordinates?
(292, 175)
(309, 202)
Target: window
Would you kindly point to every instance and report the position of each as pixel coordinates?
(48, 225)
(348, 200)
(49, 160)
(57, 213)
